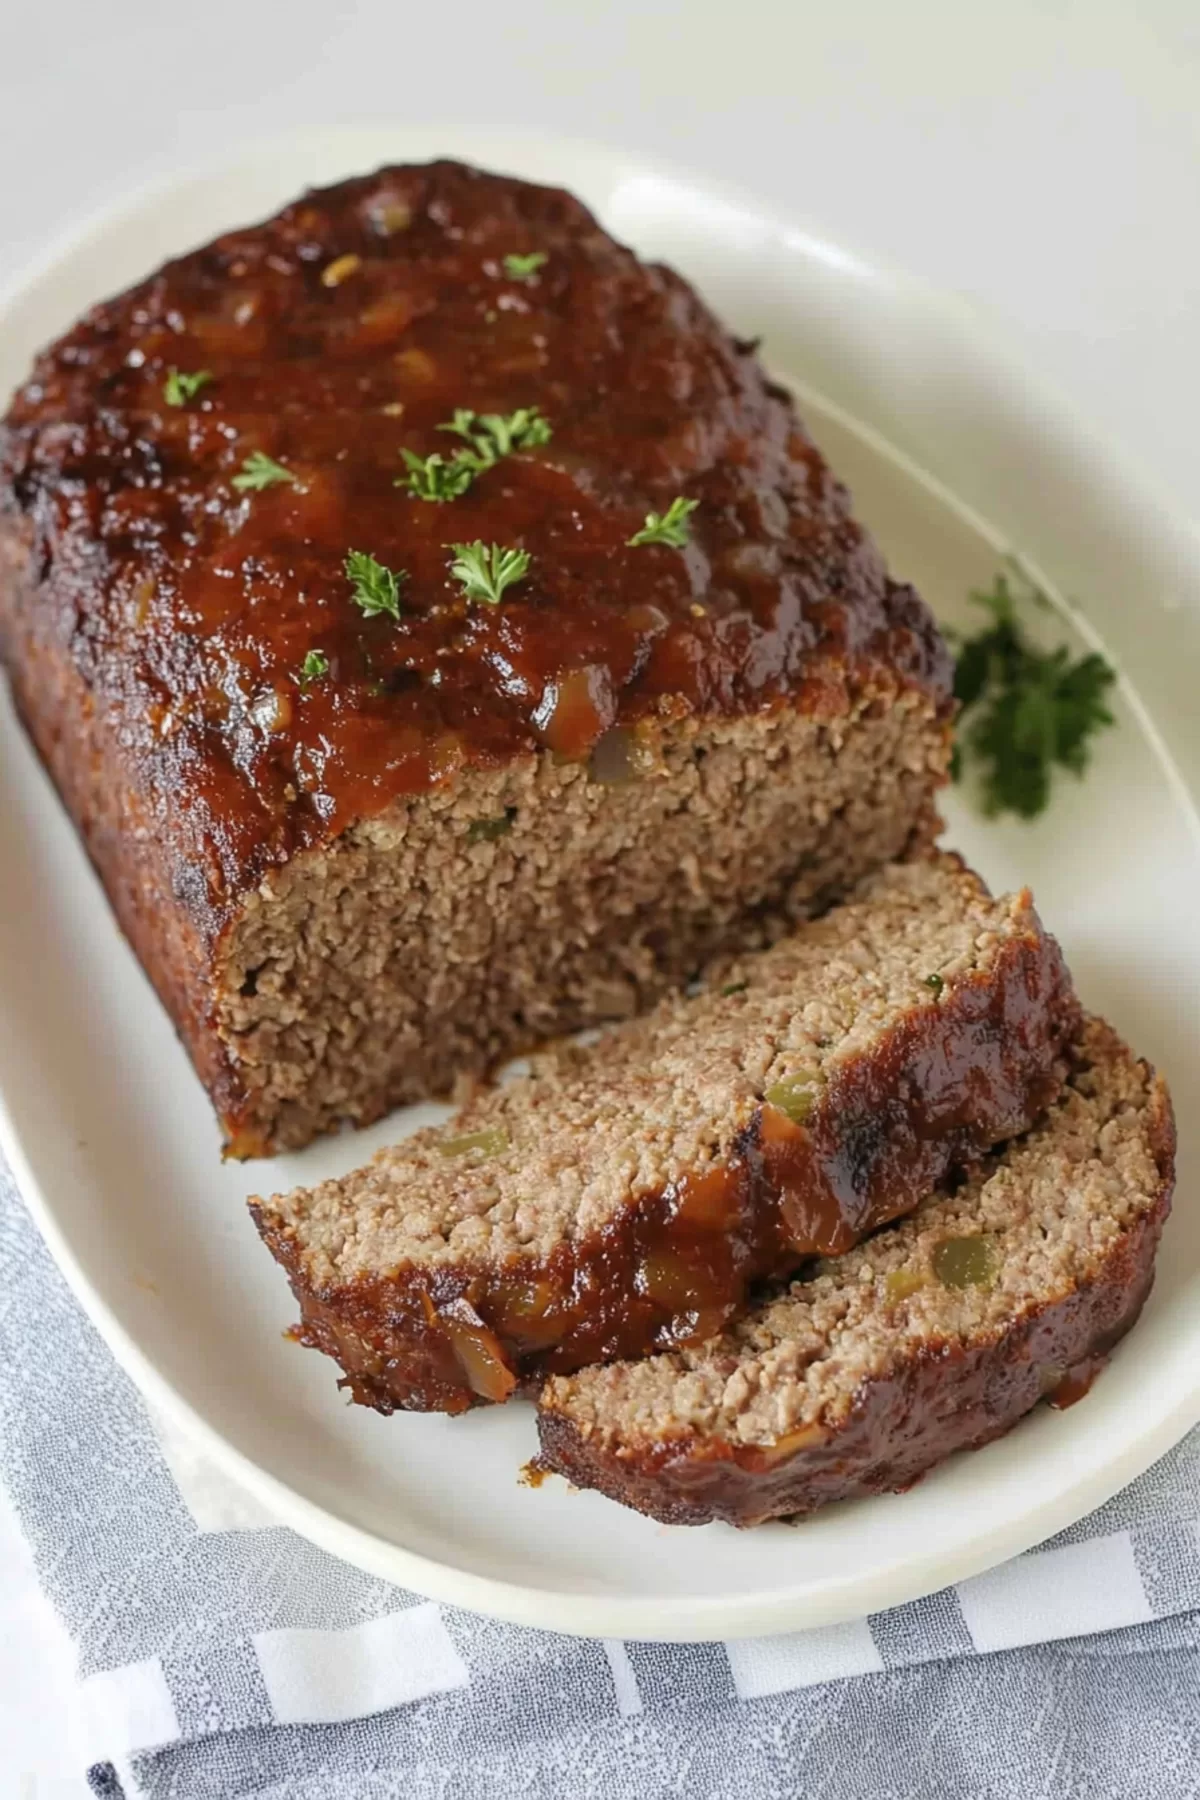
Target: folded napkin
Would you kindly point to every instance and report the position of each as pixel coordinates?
(222, 1657)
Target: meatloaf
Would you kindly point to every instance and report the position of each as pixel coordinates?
(621, 1196)
(374, 801)
(935, 1335)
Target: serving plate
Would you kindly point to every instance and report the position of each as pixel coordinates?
(956, 458)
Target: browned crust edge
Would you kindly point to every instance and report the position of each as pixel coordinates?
(951, 1397)
(122, 827)
(947, 1083)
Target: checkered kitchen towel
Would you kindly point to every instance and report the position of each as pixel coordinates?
(221, 1657)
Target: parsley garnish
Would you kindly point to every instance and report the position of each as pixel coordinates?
(1024, 709)
(314, 666)
(433, 478)
(180, 387)
(490, 436)
(520, 268)
(670, 527)
(493, 435)
(486, 573)
(260, 471)
(376, 588)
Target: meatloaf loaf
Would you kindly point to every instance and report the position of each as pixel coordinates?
(623, 1195)
(933, 1336)
(373, 801)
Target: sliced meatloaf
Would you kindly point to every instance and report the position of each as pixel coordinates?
(935, 1335)
(371, 825)
(621, 1196)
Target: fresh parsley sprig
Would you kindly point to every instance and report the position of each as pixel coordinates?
(260, 471)
(376, 588)
(670, 528)
(435, 478)
(180, 387)
(520, 267)
(490, 436)
(485, 573)
(314, 666)
(1025, 711)
(493, 435)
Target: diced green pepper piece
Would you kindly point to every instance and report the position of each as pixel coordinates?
(491, 1141)
(795, 1095)
(482, 831)
(964, 1262)
(901, 1283)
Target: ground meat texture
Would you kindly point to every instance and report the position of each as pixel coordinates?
(480, 823)
(623, 1195)
(936, 1335)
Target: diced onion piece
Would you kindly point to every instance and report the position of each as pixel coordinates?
(479, 1351)
(707, 1202)
(415, 365)
(271, 710)
(525, 1310)
(618, 758)
(695, 1326)
(383, 320)
(573, 711)
(340, 269)
(805, 1437)
(390, 214)
(674, 1284)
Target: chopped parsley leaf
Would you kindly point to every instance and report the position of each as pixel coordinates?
(376, 588)
(435, 478)
(485, 831)
(493, 435)
(520, 268)
(669, 528)
(1024, 710)
(180, 387)
(260, 471)
(486, 573)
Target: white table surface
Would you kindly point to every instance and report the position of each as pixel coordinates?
(1040, 156)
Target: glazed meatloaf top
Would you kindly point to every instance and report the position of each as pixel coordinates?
(933, 1335)
(189, 580)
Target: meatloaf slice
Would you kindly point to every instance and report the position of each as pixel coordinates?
(367, 834)
(934, 1336)
(621, 1196)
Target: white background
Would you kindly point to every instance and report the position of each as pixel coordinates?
(1040, 156)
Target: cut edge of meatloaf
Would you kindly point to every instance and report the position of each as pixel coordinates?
(622, 1195)
(482, 823)
(936, 1335)
(515, 905)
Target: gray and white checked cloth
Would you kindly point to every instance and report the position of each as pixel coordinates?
(221, 1657)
